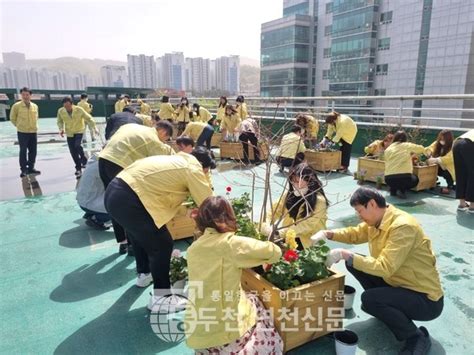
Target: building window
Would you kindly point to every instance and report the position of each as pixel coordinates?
(386, 17)
(326, 74)
(327, 52)
(381, 69)
(383, 44)
(380, 92)
(328, 30)
(329, 7)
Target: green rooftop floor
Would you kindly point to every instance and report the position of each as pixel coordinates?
(65, 290)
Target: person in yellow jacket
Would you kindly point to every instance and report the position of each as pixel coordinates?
(303, 208)
(399, 277)
(241, 107)
(200, 114)
(343, 130)
(291, 151)
(132, 142)
(72, 120)
(463, 153)
(230, 125)
(182, 114)
(148, 194)
(399, 165)
(440, 153)
(166, 109)
(378, 147)
(24, 116)
(215, 262)
(186, 144)
(200, 132)
(122, 102)
(221, 109)
(310, 125)
(84, 104)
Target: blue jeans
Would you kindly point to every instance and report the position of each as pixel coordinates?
(205, 138)
(100, 217)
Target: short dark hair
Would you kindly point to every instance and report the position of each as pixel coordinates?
(332, 117)
(127, 96)
(166, 125)
(185, 140)
(203, 155)
(129, 108)
(363, 195)
(400, 136)
(67, 99)
(165, 98)
(27, 89)
(296, 129)
(240, 99)
(84, 96)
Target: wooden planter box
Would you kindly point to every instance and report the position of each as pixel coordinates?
(372, 167)
(303, 313)
(428, 175)
(323, 161)
(236, 151)
(216, 139)
(181, 226)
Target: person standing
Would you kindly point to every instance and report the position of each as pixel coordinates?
(463, 153)
(24, 116)
(241, 107)
(250, 132)
(221, 109)
(72, 120)
(230, 125)
(182, 115)
(145, 109)
(120, 104)
(440, 153)
(400, 279)
(201, 114)
(88, 108)
(166, 110)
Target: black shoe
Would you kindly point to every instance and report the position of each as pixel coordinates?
(130, 250)
(33, 171)
(123, 249)
(78, 173)
(91, 222)
(23, 174)
(419, 344)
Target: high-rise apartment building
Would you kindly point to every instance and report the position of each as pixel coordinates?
(114, 75)
(173, 71)
(227, 71)
(197, 74)
(141, 71)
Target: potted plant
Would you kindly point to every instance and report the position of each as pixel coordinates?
(361, 177)
(379, 181)
(178, 271)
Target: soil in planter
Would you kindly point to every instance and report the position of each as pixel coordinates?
(347, 337)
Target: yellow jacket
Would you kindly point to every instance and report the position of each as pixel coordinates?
(163, 183)
(166, 111)
(291, 144)
(469, 135)
(145, 109)
(85, 105)
(306, 228)
(220, 114)
(375, 148)
(446, 161)
(119, 105)
(194, 130)
(242, 110)
(231, 123)
(400, 252)
(182, 114)
(133, 142)
(313, 127)
(216, 261)
(74, 123)
(203, 116)
(146, 119)
(24, 118)
(345, 129)
(398, 157)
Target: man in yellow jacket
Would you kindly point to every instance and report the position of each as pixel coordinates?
(147, 195)
(88, 108)
(291, 151)
(399, 276)
(200, 132)
(132, 142)
(121, 103)
(72, 120)
(24, 116)
(145, 109)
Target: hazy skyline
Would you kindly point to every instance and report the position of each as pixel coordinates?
(109, 29)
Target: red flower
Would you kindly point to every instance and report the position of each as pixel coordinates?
(267, 267)
(228, 189)
(290, 256)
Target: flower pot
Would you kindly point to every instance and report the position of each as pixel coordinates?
(349, 295)
(178, 288)
(346, 342)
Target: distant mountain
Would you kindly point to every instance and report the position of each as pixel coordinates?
(250, 62)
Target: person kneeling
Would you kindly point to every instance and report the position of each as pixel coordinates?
(400, 278)
(235, 322)
(292, 149)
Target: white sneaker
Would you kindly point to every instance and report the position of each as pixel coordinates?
(144, 280)
(167, 304)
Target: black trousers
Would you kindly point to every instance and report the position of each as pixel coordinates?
(288, 162)
(245, 138)
(346, 150)
(75, 148)
(181, 127)
(397, 307)
(463, 153)
(108, 171)
(204, 140)
(402, 182)
(152, 245)
(447, 176)
(28, 143)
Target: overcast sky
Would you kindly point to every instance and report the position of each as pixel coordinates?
(110, 29)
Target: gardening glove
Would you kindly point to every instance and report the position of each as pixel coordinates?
(266, 229)
(324, 142)
(321, 235)
(334, 256)
(433, 161)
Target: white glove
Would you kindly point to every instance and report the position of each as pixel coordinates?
(334, 256)
(321, 235)
(433, 161)
(266, 229)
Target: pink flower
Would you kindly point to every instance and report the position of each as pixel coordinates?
(290, 256)
(176, 253)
